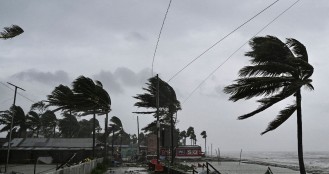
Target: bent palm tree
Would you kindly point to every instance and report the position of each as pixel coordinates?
(204, 135)
(33, 120)
(115, 126)
(90, 98)
(19, 122)
(11, 32)
(278, 71)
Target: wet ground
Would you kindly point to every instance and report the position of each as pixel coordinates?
(127, 170)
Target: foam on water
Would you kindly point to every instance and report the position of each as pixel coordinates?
(314, 161)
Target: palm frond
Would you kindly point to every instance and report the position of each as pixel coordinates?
(246, 88)
(268, 49)
(281, 118)
(269, 69)
(297, 48)
(10, 32)
(270, 101)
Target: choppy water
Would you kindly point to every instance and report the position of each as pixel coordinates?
(315, 162)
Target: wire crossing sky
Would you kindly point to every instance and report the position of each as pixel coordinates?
(156, 46)
(262, 29)
(222, 40)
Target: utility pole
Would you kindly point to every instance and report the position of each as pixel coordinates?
(158, 123)
(11, 124)
(138, 136)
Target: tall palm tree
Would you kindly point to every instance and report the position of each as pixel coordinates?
(168, 103)
(278, 71)
(204, 135)
(115, 127)
(90, 98)
(190, 133)
(11, 32)
(33, 120)
(19, 122)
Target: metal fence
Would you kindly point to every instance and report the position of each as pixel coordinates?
(83, 168)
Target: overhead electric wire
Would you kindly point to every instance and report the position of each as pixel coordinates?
(156, 46)
(18, 93)
(262, 29)
(221, 40)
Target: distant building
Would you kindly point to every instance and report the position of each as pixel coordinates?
(26, 150)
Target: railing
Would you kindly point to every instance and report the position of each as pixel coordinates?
(83, 168)
(208, 164)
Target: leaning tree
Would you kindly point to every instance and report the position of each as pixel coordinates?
(278, 70)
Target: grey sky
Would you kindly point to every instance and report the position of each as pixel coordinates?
(113, 41)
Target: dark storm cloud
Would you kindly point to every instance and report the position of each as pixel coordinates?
(121, 78)
(43, 77)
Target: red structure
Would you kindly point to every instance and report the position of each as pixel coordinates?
(184, 152)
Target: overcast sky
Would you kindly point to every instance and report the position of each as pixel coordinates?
(113, 41)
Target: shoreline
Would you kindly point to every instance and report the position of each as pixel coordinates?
(271, 164)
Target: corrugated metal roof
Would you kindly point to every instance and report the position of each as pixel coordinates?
(14, 142)
(80, 143)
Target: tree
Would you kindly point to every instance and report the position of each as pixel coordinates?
(90, 98)
(190, 133)
(183, 136)
(278, 71)
(69, 126)
(49, 123)
(86, 128)
(11, 32)
(116, 128)
(33, 120)
(168, 103)
(204, 135)
(19, 123)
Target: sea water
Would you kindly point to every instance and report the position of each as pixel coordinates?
(315, 162)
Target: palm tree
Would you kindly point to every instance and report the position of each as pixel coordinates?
(11, 32)
(86, 128)
(115, 127)
(183, 136)
(204, 135)
(90, 98)
(33, 120)
(68, 126)
(19, 122)
(190, 133)
(168, 103)
(49, 123)
(278, 71)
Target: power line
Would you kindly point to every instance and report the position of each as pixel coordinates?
(156, 46)
(18, 93)
(221, 40)
(262, 29)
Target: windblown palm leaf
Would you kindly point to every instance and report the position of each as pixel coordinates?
(10, 32)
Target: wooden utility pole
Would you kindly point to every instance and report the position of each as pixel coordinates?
(11, 124)
(158, 123)
(138, 143)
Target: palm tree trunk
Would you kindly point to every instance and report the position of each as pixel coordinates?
(106, 135)
(205, 146)
(300, 133)
(94, 132)
(112, 142)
